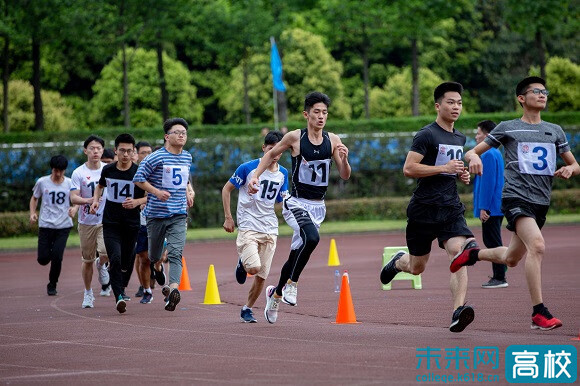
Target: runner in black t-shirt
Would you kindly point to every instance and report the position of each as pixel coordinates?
(121, 216)
(435, 211)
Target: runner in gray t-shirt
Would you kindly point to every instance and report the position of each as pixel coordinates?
(531, 146)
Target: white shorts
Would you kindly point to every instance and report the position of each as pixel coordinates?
(298, 211)
(256, 250)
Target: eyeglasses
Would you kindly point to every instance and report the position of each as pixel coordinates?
(125, 151)
(178, 132)
(537, 91)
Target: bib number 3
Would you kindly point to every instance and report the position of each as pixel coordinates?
(537, 158)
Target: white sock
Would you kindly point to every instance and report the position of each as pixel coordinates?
(89, 291)
(245, 307)
(148, 290)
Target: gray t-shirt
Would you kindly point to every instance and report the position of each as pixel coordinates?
(530, 157)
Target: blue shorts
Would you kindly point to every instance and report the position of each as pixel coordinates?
(142, 240)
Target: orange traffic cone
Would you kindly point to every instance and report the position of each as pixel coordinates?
(184, 281)
(345, 313)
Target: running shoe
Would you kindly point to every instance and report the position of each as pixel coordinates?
(126, 297)
(172, 300)
(88, 300)
(461, 318)
(247, 316)
(272, 305)
(390, 270)
(165, 292)
(241, 273)
(494, 283)
(51, 289)
(103, 272)
(147, 298)
(545, 321)
(160, 276)
(106, 291)
(121, 305)
(465, 256)
(139, 293)
(290, 293)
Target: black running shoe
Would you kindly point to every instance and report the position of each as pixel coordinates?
(390, 270)
(160, 276)
(462, 317)
(139, 293)
(241, 273)
(51, 289)
(173, 300)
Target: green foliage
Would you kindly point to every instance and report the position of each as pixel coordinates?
(144, 93)
(563, 80)
(58, 114)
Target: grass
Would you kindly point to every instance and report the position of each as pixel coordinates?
(338, 227)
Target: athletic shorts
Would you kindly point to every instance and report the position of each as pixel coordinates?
(513, 208)
(420, 235)
(91, 239)
(299, 211)
(256, 250)
(142, 240)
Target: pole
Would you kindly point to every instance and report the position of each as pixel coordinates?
(274, 95)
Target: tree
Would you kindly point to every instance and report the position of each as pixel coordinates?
(144, 99)
(564, 76)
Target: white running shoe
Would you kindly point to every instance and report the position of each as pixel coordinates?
(106, 291)
(88, 300)
(289, 293)
(103, 272)
(272, 305)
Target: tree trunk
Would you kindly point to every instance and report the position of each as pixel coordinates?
(282, 108)
(415, 76)
(5, 80)
(38, 114)
(247, 112)
(162, 81)
(365, 58)
(541, 53)
(126, 111)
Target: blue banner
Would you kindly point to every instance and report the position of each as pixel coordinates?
(276, 66)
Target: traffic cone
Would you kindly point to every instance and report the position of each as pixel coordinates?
(577, 338)
(212, 295)
(184, 284)
(333, 255)
(345, 313)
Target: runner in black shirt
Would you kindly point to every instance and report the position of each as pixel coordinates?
(121, 216)
(435, 211)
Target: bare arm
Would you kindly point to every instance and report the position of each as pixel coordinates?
(472, 157)
(76, 199)
(190, 195)
(571, 169)
(340, 156)
(229, 224)
(96, 198)
(32, 207)
(413, 167)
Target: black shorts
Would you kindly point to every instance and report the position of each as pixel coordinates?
(420, 235)
(513, 208)
(142, 240)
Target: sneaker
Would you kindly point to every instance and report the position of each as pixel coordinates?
(126, 297)
(165, 292)
(494, 283)
(390, 270)
(289, 293)
(106, 291)
(103, 272)
(241, 273)
(465, 257)
(51, 289)
(545, 321)
(88, 300)
(139, 293)
(160, 276)
(462, 317)
(172, 300)
(121, 305)
(272, 305)
(247, 316)
(147, 298)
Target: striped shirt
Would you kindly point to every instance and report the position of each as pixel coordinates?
(169, 172)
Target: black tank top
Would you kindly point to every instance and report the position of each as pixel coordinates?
(311, 168)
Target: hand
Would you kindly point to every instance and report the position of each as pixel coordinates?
(342, 152)
(475, 165)
(72, 211)
(163, 195)
(465, 177)
(253, 185)
(455, 166)
(94, 207)
(129, 203)
(33, 218)
(229, 225)
(564, 173)
(483, 215)
(190, 199)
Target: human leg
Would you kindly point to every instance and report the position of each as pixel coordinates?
(60, 239)
(112, 236)
(491, 235)
(175, 234)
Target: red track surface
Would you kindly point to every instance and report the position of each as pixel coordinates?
(52, 340)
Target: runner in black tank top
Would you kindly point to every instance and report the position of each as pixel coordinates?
(313, 151)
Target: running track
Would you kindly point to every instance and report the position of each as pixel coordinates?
(52, 340)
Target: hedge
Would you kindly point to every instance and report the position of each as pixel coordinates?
(378, 208)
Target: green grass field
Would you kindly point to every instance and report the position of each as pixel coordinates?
(30, 242)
